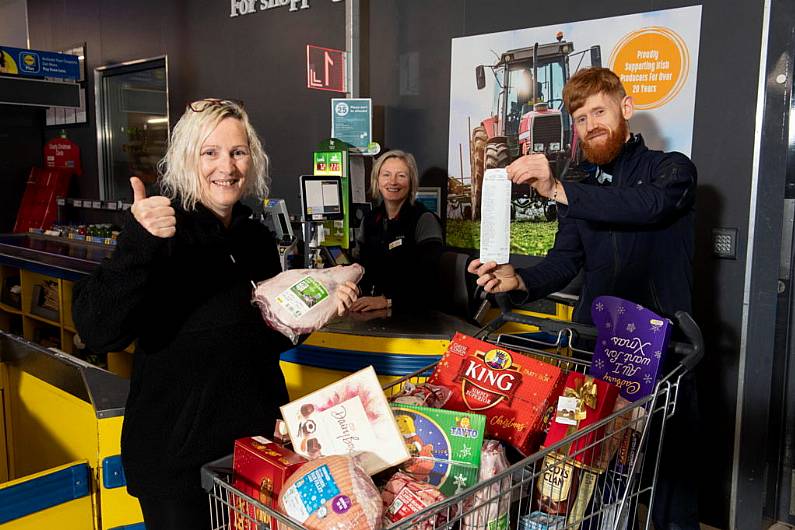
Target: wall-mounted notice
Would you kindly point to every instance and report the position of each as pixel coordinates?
(352, 122)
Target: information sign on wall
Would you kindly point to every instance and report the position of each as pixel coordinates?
(351, 122)
(325, 68)
(36, 63)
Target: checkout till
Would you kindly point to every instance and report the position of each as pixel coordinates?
(61, 419)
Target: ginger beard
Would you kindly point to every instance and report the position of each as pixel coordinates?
(602, 145)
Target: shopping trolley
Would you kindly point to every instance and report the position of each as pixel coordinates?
(623, 451)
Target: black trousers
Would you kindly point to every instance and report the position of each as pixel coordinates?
(188, 511)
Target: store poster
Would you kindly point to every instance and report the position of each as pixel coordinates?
(655, 54)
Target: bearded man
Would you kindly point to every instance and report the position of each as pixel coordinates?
(629, 227)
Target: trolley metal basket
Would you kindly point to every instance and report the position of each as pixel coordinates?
(624, 450)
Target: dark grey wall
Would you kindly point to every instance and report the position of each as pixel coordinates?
(260, 59)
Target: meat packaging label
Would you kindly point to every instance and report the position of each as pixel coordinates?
(310, 493)
(630, 345)
(302, 296)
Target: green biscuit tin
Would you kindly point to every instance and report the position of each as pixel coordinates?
(445, 445)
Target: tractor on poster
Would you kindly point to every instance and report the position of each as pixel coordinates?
(528, 117)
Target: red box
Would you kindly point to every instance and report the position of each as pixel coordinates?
(586, 449)
(514, 391)
(261, 468)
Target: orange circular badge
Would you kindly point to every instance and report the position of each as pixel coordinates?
(653, 64)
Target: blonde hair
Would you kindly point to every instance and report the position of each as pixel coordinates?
(408, 159)
(180, 170)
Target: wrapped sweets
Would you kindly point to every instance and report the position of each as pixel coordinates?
(513, 391)
(332, 493)
(494, 502)
(423, 394)
(404, 496)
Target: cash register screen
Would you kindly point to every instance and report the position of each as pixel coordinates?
(321, 197)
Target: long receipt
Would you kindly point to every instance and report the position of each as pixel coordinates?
(495, 217)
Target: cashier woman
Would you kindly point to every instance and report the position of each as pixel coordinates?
(400, 241)
(206, 367)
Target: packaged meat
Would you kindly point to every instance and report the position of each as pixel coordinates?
(349, 417)
(515, 392)
(404, 496)
(332, 492)
(300, 301)
(492, 505)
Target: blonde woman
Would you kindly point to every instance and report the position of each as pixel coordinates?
(206, 368)
(400, 241)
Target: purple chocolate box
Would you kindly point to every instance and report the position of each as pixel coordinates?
(630, 346)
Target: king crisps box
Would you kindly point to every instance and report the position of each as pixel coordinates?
(260, 469)
(515, 392)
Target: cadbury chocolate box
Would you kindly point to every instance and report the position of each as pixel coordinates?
(261, 467)
(515, 392)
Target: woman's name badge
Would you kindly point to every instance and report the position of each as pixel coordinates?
(395, 244)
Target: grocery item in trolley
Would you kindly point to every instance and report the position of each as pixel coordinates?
(301, 301)
(349, 417)
(444, 445)
(514, 391)
(332, 492)
(492, 505)
(541, 521)
(630, 346)
(423, 394)
(585, 401)
(563, 488)
(404, 496)
(261, 468)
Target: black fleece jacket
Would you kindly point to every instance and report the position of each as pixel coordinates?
(205, 369)
(400, 256)
(633, 237)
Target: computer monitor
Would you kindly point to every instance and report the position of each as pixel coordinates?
(321, 198)
(431, 198)
(277, 219)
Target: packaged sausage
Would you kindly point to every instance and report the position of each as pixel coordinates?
(494, 501)
(404, 496)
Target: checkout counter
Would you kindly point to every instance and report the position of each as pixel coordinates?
(61, 417)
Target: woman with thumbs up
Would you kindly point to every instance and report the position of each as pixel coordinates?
(206, 368)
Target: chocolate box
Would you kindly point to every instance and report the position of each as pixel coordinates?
(515, 392)
(593, 400)
(631, 344)
(260, 470)
(348, 417)
(445, 445)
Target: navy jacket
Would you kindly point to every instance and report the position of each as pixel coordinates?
(633, 237)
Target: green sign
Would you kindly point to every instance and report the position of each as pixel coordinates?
(352, 122)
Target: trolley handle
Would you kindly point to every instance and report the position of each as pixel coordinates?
(692, 350)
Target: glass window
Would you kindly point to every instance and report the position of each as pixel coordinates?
(132, 124)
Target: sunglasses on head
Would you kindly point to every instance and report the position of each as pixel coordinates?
(203, 104)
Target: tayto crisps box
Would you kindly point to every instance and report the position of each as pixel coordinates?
(515, 392)
(261, 468)
(444, 445)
